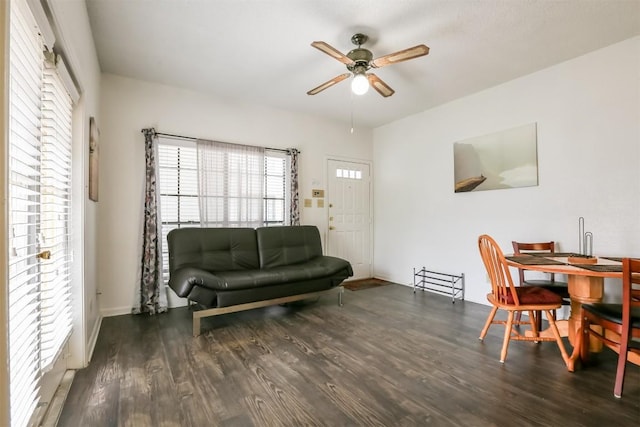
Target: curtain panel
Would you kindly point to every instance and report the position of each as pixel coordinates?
(151, 296)
(294, 207)
(230, 184)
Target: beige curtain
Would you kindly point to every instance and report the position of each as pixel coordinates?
(230, 184)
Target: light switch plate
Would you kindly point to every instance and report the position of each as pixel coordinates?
(317, 193)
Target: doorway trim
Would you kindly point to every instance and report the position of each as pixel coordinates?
(369, 163)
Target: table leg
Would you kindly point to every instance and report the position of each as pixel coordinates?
(583, 289)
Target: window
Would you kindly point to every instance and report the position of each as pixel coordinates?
(25, 75)
(178, 179)
(55, 217)
(179, 197)
(276, 186)
(39, 199)
(348, 174)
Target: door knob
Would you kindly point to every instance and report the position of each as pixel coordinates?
(331, 227)
(44, 255)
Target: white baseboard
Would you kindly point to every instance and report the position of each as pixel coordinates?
(119, 311)
(93, 338)
(116, 311)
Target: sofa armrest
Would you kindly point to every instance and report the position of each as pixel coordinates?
(184, 279)
(338, 264)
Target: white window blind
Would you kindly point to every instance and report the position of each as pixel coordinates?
(39, 157)
(55, 216)
(276, 185)
(178, 188)
(25, 87)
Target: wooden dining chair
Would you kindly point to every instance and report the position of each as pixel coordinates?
(619, 324)
(550, 283)
(514, 299)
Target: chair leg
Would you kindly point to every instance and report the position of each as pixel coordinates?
(534, 323)
(622, 363)
(507, 336)
(539, 320)
(492, 314)
(556, 334)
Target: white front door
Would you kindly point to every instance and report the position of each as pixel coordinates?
(349, 236)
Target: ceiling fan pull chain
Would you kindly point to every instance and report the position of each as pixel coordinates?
(351, 112)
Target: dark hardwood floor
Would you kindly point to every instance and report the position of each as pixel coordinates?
(386, 358)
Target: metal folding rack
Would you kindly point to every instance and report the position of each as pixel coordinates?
(442, 283)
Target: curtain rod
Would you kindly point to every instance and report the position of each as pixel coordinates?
(191, 138)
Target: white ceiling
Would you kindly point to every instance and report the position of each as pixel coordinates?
(258, 51)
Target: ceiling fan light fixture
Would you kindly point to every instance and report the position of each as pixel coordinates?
(360, 84)
(360, 60)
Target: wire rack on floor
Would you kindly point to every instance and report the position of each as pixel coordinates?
(442, 283)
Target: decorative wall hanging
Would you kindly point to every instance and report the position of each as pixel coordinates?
(506, 159)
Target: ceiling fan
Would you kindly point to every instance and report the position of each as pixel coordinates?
(360, 60)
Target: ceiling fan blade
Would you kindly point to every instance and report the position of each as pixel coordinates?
(402, 55)
(382, 88)
(328, 84)
(331, 51)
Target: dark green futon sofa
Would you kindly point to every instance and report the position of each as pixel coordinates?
(232, 269)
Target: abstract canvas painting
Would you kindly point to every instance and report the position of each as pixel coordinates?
(505, 159)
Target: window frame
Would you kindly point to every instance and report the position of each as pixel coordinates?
(165, 144)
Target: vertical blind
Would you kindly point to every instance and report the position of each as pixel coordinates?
(39, 168)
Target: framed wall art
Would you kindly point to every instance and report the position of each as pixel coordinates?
(94, 147)
(505, 159)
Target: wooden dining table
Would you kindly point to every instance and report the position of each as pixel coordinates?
(586, 285)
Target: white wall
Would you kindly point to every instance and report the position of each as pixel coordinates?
(74, 37)
(588, 119)
(129, 105)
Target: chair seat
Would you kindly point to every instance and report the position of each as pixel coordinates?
(613, 313)
(560, 288)
(534, 295)
(550, 283)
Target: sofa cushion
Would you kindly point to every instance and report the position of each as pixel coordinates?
(317, 268)
(213, 249)
(280, 246)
